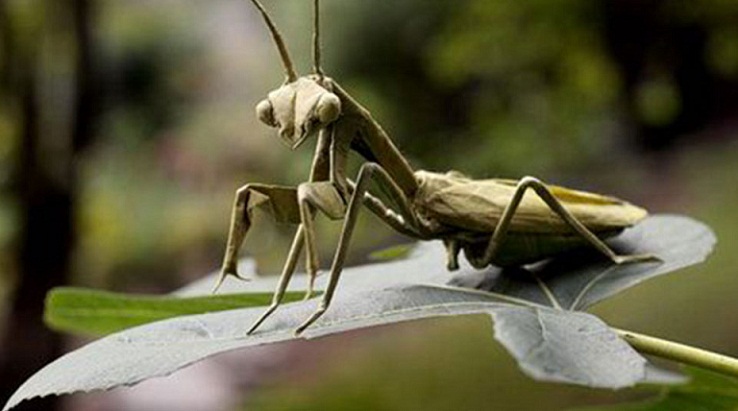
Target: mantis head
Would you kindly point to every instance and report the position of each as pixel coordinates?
(298, 109)
(301, 105)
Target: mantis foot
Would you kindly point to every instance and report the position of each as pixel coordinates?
(317, 314)
(261, 319)
(311, 285)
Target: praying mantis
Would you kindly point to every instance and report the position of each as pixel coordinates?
(492, 221)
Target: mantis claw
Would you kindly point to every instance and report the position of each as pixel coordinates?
(225, 272)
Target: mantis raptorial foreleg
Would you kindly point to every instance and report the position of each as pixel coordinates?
(280, 202)
(366, 174)
(545, 194)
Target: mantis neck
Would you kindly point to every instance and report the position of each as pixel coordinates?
(357, 130)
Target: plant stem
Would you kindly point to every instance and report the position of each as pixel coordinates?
(681, 353)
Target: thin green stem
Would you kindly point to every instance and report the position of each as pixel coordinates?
(681, 353)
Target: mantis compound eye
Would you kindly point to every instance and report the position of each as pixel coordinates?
(328, 108)
(265, 113)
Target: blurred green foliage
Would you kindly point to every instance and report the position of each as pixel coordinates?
(548, 84)
(533, 87)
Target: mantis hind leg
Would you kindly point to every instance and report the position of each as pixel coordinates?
(280, 202)
(545, 194)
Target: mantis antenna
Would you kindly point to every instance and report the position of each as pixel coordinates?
(316, 39)
(281, 46)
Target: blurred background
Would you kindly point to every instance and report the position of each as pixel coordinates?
(127, 125)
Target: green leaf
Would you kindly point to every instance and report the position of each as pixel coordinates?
(397, 252)
(529, 307)
(95, 312)
(706, 391)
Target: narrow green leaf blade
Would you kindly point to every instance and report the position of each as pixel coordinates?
(92, 312)
(397, 252)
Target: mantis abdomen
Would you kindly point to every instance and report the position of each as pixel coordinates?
(469, 212)
(457, 201)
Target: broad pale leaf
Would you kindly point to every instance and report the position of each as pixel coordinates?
(580, 279)
(530, 306)
(563, 346)
(553, 345)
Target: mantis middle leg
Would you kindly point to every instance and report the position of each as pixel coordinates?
(311, 197)
(324, 196)
(545, 194)
(366, 174)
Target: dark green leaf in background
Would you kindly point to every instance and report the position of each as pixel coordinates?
(93, 312)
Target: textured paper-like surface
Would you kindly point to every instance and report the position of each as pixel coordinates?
(477, 205)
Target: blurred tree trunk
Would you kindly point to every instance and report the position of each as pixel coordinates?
(45, 189)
